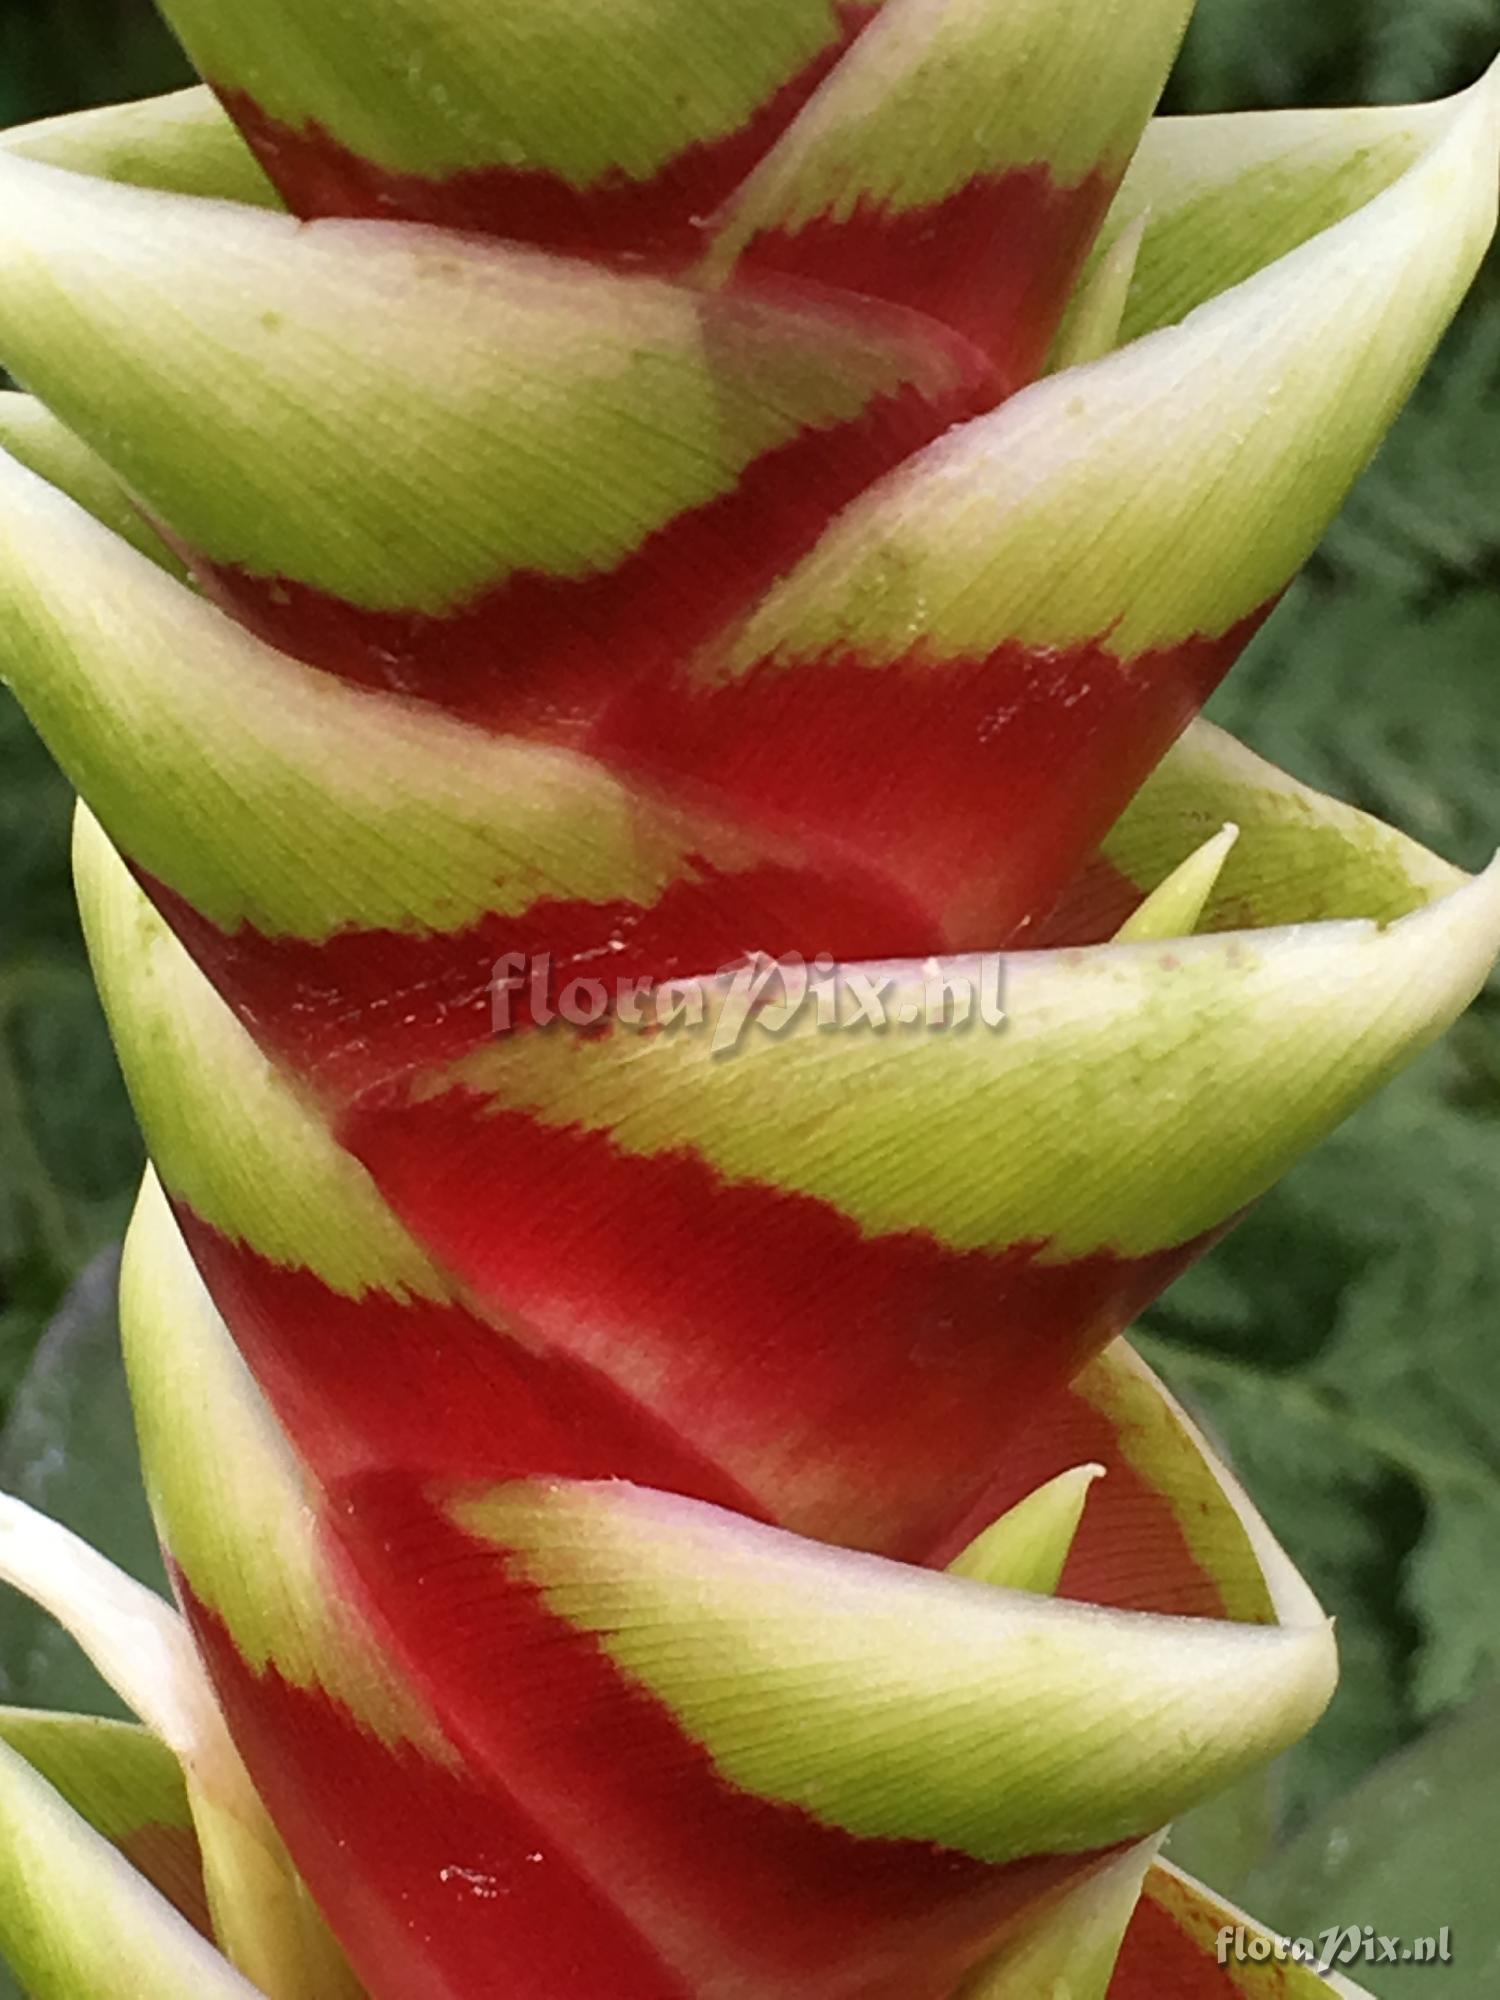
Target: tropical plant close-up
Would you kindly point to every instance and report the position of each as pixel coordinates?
(626, 593)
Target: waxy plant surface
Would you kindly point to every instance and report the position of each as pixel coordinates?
(641, 490)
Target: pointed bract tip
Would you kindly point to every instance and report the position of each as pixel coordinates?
(135, 1639)
(76, 1918)
(1097, 313)
(1175, 908)
(1028, 1547)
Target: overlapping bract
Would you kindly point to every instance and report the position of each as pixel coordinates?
(635, 1496)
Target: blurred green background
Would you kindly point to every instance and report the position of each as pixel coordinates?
(1342, 1344)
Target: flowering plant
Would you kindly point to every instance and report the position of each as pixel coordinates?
(734, 513)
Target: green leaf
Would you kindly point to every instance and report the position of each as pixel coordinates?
(1411, 1850)
(1421, 50)
(1343, 1339)
(1271, 52)
(1222, 1840)
(1427, 516)
(1387, 701)
(71, 1154)
(1342, 1343)
(68, 1447)
(55, 56)
(1262, 53)
(1348, 1519)
(68, 1444)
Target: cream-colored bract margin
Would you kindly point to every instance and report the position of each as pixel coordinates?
(1134, 1096)
(1302, 856)
(899, 1703)
(938, 94)
(1203, 1914)
(1121, 1376)
(1215, 199)
(76, 1918)
(182, 143)
(230, 1132)
(234, 1505)
(1173, 488)
(267, 792)
(405, 417)
(583, 89)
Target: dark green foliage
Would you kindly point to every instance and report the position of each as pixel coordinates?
(68, 1148)
(68, 1448)
(1409, 1852)
(58, 54)
(1251, 54)
(1425, 521)
(1345, 1342)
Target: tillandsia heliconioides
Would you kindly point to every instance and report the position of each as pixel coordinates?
(613, 491)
